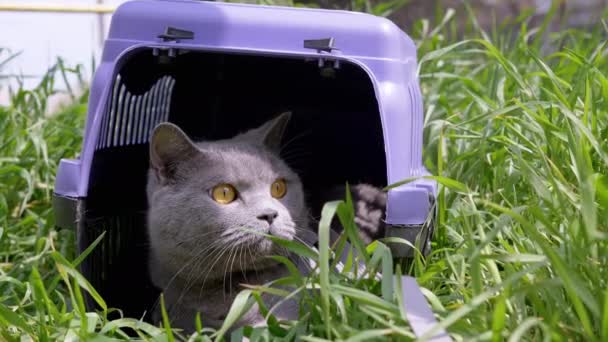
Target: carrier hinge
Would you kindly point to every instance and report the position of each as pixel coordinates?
(175, 34)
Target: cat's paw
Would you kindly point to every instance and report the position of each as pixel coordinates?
(369, 204)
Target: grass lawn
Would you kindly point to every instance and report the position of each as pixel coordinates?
(515, 120)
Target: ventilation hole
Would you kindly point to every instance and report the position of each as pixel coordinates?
(155, 101)
(115, 115)
(126, 129)
(112, 115)
(147, 117)
(144, 118)
(129, 119)
(136, 120)
(105, 121)
(129, 129)
(123, 115)
(151, 111)
(148, 114)
(161, 100)
(116, 128)
(164, 100)
(124, 118)
(169, 98)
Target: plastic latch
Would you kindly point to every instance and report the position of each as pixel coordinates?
(175, 34)
(325, 44)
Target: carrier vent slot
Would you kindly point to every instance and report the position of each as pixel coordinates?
(129, 119)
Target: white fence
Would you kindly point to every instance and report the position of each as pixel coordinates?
(42, 30)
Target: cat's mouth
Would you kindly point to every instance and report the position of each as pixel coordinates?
(261, 244)
(261, 240)
(265, 245)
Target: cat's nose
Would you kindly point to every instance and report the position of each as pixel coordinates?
(268, 215)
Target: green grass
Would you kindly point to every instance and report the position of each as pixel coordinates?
(516, 124)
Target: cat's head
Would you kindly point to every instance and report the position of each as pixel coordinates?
(207, 200)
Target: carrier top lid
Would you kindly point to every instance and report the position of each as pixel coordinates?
(273, 29)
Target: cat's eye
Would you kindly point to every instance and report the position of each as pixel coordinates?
(278, 189)
(223, 193)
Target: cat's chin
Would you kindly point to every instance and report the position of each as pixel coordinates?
(265, 247)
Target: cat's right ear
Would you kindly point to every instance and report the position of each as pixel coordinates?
(169, 146)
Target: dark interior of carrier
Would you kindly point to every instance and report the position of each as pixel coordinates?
(335, 136)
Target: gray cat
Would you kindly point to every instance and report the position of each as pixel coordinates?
(208, 202)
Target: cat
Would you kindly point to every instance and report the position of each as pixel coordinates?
(208, 202)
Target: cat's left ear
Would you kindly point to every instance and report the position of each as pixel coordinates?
(271, 133)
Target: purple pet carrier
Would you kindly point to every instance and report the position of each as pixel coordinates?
(216, 69)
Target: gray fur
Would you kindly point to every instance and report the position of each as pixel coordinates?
(201, 250)
(370, 205)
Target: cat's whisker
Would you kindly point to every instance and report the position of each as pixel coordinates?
(194, 259)
(198, 236)
(229, 232)
(218, 257)
(295, 152)
(201, 257)
(243, 273)
(298, 149)
(198, 259)
(173, 310)
(293, 161)
(301, 229)
(233, 233)
(295, 138)
(191, 279)
(236, 253)
(230, 252)
(235, 239)
(301, 241)
(255, 269)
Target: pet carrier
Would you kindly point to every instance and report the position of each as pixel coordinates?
(216, 69)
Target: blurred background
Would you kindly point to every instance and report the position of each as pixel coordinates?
(40, 31)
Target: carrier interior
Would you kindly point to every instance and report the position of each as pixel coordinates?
(335, 136)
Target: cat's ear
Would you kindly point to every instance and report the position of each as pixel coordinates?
(271, 133)
(169, 146)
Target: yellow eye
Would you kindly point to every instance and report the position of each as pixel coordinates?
(278, 189)
(223, 193)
